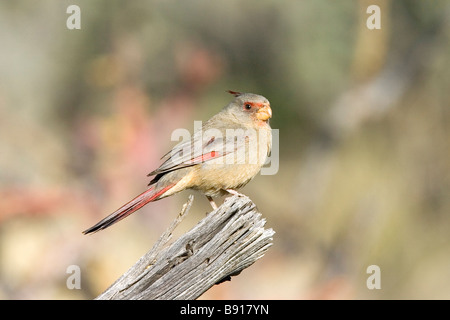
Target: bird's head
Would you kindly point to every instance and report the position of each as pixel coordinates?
(249, 106)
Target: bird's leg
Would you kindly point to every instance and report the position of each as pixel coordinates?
(234, 192)
(211, 201)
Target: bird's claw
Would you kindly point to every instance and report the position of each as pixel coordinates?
(234, 192)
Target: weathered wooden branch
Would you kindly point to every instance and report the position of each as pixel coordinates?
(221, 245)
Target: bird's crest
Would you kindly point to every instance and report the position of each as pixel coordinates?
(234, 93)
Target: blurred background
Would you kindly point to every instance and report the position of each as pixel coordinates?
(363, 116)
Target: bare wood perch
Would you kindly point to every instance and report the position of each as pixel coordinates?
(221, 245)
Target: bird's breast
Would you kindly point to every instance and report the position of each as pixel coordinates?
(212, 178)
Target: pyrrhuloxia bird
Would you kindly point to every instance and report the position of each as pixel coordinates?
(224, 155)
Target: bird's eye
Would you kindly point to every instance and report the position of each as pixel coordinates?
(247, 106)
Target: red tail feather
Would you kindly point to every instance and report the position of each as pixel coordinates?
(127, 209)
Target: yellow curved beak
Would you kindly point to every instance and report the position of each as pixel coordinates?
(264, 113)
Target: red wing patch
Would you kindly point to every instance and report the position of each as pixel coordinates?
(205, 157)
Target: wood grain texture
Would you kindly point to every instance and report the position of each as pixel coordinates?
(221, 245)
